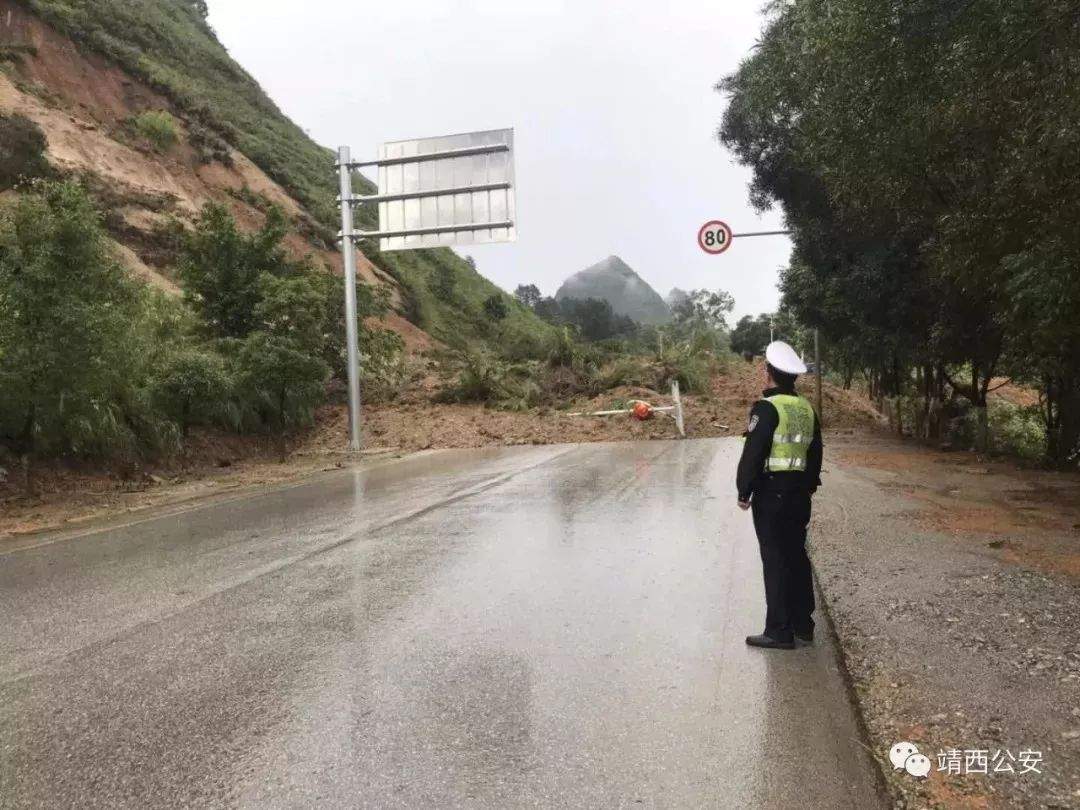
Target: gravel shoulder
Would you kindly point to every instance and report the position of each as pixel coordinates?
(953, 584)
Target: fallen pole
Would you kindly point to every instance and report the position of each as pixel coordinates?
(674, 411)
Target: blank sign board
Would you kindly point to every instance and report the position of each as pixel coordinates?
(470, 185)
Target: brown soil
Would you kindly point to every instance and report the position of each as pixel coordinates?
(1007, 391)
(951, 582)
(82, 103)
(1033, 514)
(214, 462)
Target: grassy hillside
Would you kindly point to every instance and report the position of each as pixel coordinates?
(169, 45)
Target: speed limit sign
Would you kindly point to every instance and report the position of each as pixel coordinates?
(714, 237)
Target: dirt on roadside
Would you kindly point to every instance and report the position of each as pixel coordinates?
(215, 461)
(953, 582)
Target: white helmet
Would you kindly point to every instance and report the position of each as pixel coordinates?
(783, 358)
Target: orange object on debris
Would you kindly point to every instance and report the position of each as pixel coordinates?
(642, 411)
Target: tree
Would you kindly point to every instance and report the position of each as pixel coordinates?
(676, 297)
(199, 7)
(925, 159)
(22, 150)
(594, 318)
(528, 294)
(444, 282)
(548, 309)
(70, 352)
(282, 382)
(282, 372)
(193, 387)
(703, 309)
(495, 307)
(221, 268)
(751, 334)
(381, 350)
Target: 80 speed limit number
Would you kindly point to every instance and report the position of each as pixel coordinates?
(714, 237)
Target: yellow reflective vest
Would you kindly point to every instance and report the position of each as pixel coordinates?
(793, 435)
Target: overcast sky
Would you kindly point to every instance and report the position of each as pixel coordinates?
(611, 102)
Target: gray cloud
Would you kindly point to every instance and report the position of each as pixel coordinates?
(612, 104)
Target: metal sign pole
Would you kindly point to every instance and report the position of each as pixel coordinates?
(817, 369)
(348, 252)
(487, 184)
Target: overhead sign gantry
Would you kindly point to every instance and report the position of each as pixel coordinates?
(432, 192)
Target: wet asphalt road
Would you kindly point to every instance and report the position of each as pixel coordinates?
(544, 626)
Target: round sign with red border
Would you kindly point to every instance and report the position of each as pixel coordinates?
(714, 237)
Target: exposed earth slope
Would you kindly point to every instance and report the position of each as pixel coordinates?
(86, 71)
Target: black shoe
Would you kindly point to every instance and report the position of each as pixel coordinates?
(805, 638)
(769, 643)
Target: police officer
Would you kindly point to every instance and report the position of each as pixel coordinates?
(778, 472)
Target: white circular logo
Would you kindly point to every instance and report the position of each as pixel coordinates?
(917, 765)
(899, 753)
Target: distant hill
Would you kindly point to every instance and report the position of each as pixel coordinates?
(614, 281)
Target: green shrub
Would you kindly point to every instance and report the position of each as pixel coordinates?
(690, 361)
(383, 373)
(517, 343)
(443, 282)
(479, 376)
(627, 371)
(157, 127)
(495, 307)
(382, 351)
(193, 387)
(564, 351)
(1017, 431)
(477, 379)
(22, 151)
(208, 145)
(14, 52)
(280, 382)
(73, 334)
(221, 268)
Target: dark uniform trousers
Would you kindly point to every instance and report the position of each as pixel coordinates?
(780, 520)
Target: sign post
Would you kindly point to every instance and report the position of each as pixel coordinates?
(352, 343)
(715, 237)
(817, 371)
(432, 192)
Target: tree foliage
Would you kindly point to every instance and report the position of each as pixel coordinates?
(528, 294)
(71, 349)
(94, 364)
(592, 318)
(751, 334)
(158, 128)
(192, 386)
(927, 158)
(444, 282)
(221, 268)
(702, 309)
(22, 150)
(495, 307)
